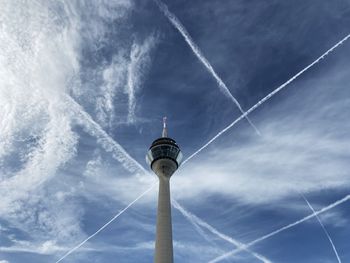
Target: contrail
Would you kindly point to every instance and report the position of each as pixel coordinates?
(316, 213)
(323, 227)
(257, 105)
(110, 145)
(200, 231)
(198, 222)
(179, 26)
(105, 225)
(187, 216)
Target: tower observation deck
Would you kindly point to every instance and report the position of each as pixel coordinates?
(164, 157)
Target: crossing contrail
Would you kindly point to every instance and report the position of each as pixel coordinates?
(196, 50)
(267, 97)
(199, 222)
(316, 213)
(105, 225)
(323, 227)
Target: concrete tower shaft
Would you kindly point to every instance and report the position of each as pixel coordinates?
(164, 168)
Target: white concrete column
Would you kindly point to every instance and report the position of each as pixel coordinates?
(164, 240)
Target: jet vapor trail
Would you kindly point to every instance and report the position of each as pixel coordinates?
(198, 228)
(106, 141)
(179, 26)
(266, 98)
(323, 227)
(316, 213)
(105, 225)
(198, 222)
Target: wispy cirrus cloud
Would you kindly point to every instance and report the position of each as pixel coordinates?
(40, 64)
(298, 152)
(121, 80)
(37, 138)
(139, 62)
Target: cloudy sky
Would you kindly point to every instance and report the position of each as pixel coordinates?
(83, 89)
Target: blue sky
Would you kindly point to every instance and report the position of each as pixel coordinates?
(83, 89)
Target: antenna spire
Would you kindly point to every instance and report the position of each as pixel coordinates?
(165, 128)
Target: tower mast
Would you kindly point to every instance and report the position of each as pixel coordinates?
(165, 128)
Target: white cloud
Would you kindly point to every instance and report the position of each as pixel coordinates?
(40, 54)
(123, 77)
(276, 166)
(45, 248)
(35, 66)
(122, 188)
(302, 149)
(335, 219)
(139, 62)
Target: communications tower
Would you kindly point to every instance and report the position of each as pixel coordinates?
(164, 157)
